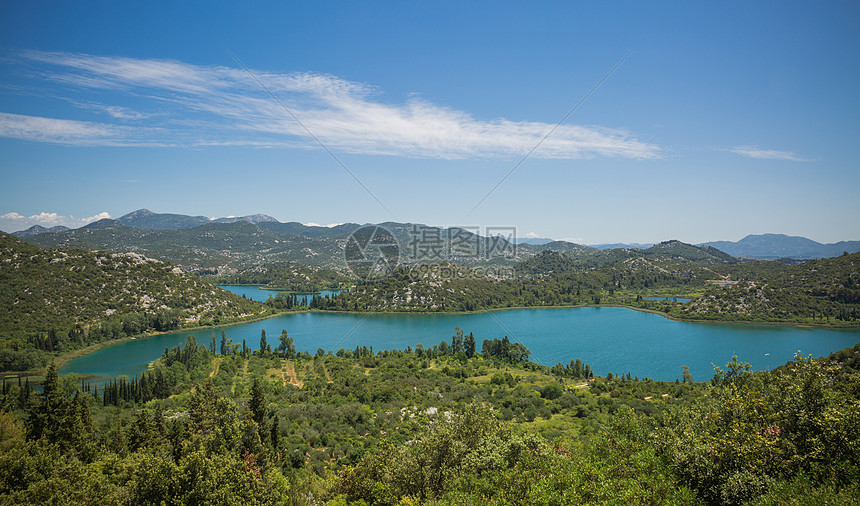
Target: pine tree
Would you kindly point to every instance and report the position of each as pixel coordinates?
(47, 416)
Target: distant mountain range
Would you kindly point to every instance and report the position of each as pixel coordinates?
(148, 220)
(630, 245)
(537, 241)
(39, 229)
(774, 246)
(765, 246)
(252, 218)
(225, 245)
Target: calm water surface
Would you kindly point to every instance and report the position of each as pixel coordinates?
(609, 339)
(259, 294)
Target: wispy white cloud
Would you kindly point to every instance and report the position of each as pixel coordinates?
(575, 240)
(216, 105)
(767, 154)
(41, 129)
(13, 222)
(73, 132)
(113, 111)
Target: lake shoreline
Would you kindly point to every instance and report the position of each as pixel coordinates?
(64, 358)
(644, 310)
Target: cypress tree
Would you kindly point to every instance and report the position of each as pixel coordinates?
(276, 433)
(258, 403)
(263, 344)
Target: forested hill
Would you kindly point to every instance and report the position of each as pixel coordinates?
(57, 299)
(289, 276)
(821, 291)
(548, 279)
(557, 261)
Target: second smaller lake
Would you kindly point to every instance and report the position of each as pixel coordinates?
(260, 294)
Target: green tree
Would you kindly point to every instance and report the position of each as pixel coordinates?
(577, 368)
(258, 403)
(48, 416)
(457, 341)
(263, 344)
(287, 349)
(470, 345)
(275, 438)
(685, 371)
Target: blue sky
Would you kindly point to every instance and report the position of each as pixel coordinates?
(725, 120)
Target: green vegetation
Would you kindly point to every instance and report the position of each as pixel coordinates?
(213, 246)
(59, 300)
(289, 276)
(430, 426)
(821, 292)
(52, 309)
(460, 422)
(278, 256)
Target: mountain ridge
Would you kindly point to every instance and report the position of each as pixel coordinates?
(761, 246)
(39, 229)
(773, 246)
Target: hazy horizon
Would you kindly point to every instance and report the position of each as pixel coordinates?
(52, 221)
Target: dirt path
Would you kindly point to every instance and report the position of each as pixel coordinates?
(217, 366)
(291, 370)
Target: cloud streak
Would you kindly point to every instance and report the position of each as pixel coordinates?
(36, 128)
(189, 105)
(13, 222)
(767, 154)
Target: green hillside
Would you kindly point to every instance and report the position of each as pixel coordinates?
(241, 245)
(238, 246)
(55, 300)
(288, 276)
(146, 219)
(451, 424)
(816, 291)
(678, 249)
(549, 278)
(821, 291)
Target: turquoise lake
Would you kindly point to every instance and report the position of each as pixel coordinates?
(616, 340)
